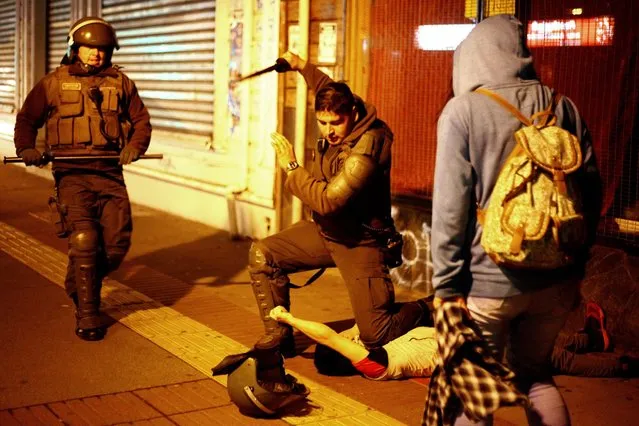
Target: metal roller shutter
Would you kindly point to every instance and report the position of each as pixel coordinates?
(58, 25)
(7, 55)
(167, 47)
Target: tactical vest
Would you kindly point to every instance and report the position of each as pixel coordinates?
(86, 113)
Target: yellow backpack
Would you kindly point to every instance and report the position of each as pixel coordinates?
(533, 219)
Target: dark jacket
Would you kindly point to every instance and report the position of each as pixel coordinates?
(61, 99)
(369, 208)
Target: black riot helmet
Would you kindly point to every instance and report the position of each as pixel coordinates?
(93, 32)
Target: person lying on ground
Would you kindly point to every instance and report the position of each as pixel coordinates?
(338, 354)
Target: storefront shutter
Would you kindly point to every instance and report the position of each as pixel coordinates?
(167, 48)
(7, 56)
(58, 25)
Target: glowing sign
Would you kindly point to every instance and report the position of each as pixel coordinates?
(441, 37)
(597, 31)
(491, 8)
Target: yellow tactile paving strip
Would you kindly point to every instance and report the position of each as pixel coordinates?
(189, 340)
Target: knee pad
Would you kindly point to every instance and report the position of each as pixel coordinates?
(266, 278)
(259, 260)
(83, 242)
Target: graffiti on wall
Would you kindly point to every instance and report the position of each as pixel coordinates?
(416, 271)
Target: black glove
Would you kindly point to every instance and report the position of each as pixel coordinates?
(129, 154)
(282, 65)
(31, 157)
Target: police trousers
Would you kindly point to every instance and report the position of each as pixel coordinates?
(100, 203)
(379, 318)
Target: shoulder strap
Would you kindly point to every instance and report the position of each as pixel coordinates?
(543, 115)
(62, 71)
(504, 103)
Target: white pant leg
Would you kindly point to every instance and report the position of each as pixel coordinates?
(493, 316)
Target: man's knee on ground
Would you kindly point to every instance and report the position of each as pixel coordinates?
(83, 242)
(371, 337)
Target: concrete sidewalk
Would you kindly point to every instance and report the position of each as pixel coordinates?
(179, 304)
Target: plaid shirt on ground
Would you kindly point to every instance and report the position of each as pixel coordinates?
(466, 376)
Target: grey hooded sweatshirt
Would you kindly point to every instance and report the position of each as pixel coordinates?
(474, 137)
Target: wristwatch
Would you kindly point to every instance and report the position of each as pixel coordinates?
(292, 166)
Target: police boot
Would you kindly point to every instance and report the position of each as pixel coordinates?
(259, 386)
(69, 282)
(270, 361)
(275, 333)
(270, 288)
(88, 323)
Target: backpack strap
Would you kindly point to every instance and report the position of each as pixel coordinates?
(504, 103)
(543, 115)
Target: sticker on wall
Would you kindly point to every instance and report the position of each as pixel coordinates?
(235, 66)
(294, 38)
(327, 49)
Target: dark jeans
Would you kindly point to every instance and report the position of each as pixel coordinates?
(371, 293)
(101, 203)
(570, 356)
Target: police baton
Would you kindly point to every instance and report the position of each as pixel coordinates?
(281, 65)
(46, 158)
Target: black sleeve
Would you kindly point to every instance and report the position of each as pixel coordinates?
(31, 117)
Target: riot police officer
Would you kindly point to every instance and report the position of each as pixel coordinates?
(348, 190)
(88, 107)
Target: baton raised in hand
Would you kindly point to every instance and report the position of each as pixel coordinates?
(281, 65)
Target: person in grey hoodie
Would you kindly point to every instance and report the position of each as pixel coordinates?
(521, 310)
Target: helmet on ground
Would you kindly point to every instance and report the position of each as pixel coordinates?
(94, 32)
(259, 399)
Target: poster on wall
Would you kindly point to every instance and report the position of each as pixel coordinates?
(327, 49)
(294, 38)
(235, 68)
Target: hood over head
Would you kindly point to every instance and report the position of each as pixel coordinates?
(367, 114)
(494, 53)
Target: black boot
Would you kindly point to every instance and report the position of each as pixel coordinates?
(275, 332)
(88, 322)
(269, 360)
(90, 334)
(270, 287)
